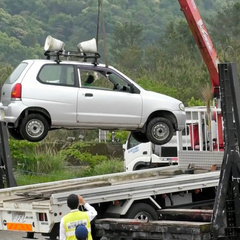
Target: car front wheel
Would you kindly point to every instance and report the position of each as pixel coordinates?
(160, 130)
(34, 127)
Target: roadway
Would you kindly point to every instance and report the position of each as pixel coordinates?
(8, 235)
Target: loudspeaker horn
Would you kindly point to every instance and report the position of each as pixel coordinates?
(89, 46)
(53, 44)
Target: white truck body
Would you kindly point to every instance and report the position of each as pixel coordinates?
(197, 135)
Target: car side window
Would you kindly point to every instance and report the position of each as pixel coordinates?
(57, 74)
(119, 83)
(95, 80)
(104, 80)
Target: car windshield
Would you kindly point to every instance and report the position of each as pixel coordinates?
(16, 73)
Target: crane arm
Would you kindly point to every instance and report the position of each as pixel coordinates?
(203, 41)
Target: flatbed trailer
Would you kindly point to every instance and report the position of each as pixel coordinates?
(111, 229)
(40, 207)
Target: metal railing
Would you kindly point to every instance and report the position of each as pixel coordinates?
(203, 130)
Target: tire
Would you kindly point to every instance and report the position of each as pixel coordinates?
(160, 130)
(141, 168)
(142, 211)
(34, 127)
(15, 133)
(140, 137)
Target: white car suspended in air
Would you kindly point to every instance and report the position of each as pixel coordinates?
(53, 93)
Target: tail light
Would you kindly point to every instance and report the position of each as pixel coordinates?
(16, 91)
(197, 191)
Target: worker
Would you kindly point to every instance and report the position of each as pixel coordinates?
(89, 80)
(70, 221)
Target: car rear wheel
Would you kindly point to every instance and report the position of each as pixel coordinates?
(15, 133)
(160, 130)
(34, 127)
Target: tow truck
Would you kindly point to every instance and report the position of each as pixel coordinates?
(39, 207)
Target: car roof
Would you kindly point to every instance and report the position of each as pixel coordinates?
(45, 61)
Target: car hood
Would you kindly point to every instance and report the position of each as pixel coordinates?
(169, 101)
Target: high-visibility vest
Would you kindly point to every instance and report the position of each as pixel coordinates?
(72, 219)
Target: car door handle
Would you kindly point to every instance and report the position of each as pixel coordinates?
(88, 95)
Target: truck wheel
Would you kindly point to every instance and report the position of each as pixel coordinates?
(159, 130)
(15, 133)
(142, 211)
(54, 234)
(140, 137)
(34, 127)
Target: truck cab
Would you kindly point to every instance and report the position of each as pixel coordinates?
(139, 156)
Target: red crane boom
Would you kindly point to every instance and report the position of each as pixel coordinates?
(206, 48)
(203, 41)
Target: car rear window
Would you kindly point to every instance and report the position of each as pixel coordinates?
(16, 73)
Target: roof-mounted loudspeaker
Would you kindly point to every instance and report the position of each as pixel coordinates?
(53, 44)
(89, 46)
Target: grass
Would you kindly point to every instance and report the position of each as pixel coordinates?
(105, 167)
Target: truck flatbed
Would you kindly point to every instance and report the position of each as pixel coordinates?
(111, 228)
(42, 205)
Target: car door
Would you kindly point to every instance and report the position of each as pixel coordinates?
(101, 104)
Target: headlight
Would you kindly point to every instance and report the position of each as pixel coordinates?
(181, 107)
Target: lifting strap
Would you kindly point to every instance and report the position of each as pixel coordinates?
(103, 30)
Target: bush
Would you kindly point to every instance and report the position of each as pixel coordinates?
(45, 162)
(35, 158)
(105, 167)
(118, 136)
(78, 153)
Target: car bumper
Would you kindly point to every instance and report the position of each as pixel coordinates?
(2, 114)
(181, 120)
(11, 112)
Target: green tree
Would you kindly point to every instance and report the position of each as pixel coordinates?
(60, 25)
(126, 47)
(228, 18)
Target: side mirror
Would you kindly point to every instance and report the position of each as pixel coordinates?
(133, 89)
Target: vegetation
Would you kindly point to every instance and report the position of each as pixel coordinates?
(41, 162)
